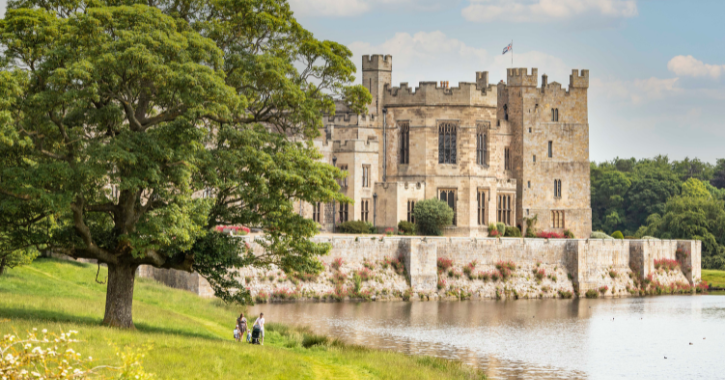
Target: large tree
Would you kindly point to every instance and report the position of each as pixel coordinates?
(116, 114)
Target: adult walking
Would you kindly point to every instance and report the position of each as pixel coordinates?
(241, 327)
(260, 323)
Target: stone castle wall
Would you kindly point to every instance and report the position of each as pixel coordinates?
(571, 265)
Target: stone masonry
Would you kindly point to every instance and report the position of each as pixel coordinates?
(495, 153)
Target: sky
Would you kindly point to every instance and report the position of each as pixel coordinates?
(657, 67)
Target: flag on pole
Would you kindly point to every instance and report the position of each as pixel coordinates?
(508, 48)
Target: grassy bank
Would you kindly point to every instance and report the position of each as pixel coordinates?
(191, 336)
(715, 278)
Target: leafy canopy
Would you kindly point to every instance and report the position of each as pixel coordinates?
(129, 130)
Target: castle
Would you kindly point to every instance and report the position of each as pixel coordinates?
(494, 153)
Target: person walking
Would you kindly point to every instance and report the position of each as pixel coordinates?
(260, 322)
(241, 327)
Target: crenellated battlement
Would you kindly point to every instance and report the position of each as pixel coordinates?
(579, 81)
(431, 93)
(377, 62)
(519, 77)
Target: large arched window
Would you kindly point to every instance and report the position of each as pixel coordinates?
(447, 143)
(449, 196)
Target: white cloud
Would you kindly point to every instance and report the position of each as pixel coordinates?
(348, 8)
(547, 10)
(636, 91)
(692, 67)
(433, 56)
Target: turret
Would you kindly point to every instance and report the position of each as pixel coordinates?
(579, 81)
(377, 73)
(518, 77)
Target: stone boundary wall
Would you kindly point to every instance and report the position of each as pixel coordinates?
(588, 263)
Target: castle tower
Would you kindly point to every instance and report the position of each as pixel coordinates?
(377, 73)
(550, 148)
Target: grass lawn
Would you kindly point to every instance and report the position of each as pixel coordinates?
(190, 336)
(715, 278)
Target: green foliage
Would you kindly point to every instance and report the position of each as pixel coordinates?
(501, 228)
(692, 217)
(431, 216)
(617, 235)
(600, 235)
(694, 188)
(513, 232)
(531, 223)
(12, 259)
(406, 228)
(356, 227)
(569, 235)
(113, 116)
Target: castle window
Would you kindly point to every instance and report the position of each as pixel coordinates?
(481, 200)
(505, 112)
(480, 146)
(317, 212)
(504, 209)
(529, 184)
(404, 143)
(447, 143)
(366, 176)
(365, 210)
(554, 114)
(344, 215)
(557, 188)
(343, 182)
(411, 211)
(449, 196)
(534, 158)
(208, 192)
(551, 149)
(557, 219)
(529, 130)
(507, 158)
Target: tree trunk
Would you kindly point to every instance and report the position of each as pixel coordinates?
(119, 296)
(2, 265)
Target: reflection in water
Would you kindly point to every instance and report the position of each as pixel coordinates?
(537, 339)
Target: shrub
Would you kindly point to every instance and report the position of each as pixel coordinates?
(406, 228)
(441, 284)
(513, 232)
(444, 264)
(591, 293)
(337, 263)
(603, 289)
(310, 340)
(364, 274)
(356, 227)
(367, 264)
(339, 278)
(505, 269)
(261, 297)
(568, 234)
(495, 275)
(617, 235)
(285, 294)
(431, 216)
(540, 274)
(389, 231)
(702, 287)
(666, 264)
(565, 293)
(549, 235)
(397, 265)
(599, 235)
(545, 289)
(484, 276)
(493, 233)
(455, 273)
(552, 277)
(501, 228)
(468, 270)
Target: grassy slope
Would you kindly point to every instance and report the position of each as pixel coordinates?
(191, 336)
(715, 278)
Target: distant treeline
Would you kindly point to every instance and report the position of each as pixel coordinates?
(664, 199)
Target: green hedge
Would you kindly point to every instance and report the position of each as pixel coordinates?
(406, 228)
(513, 232)
(356, 227)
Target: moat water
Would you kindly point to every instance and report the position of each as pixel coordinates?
(664, 337)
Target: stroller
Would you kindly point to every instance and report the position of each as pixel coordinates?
(256, 332)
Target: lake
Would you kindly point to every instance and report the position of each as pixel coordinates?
(537, 339)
